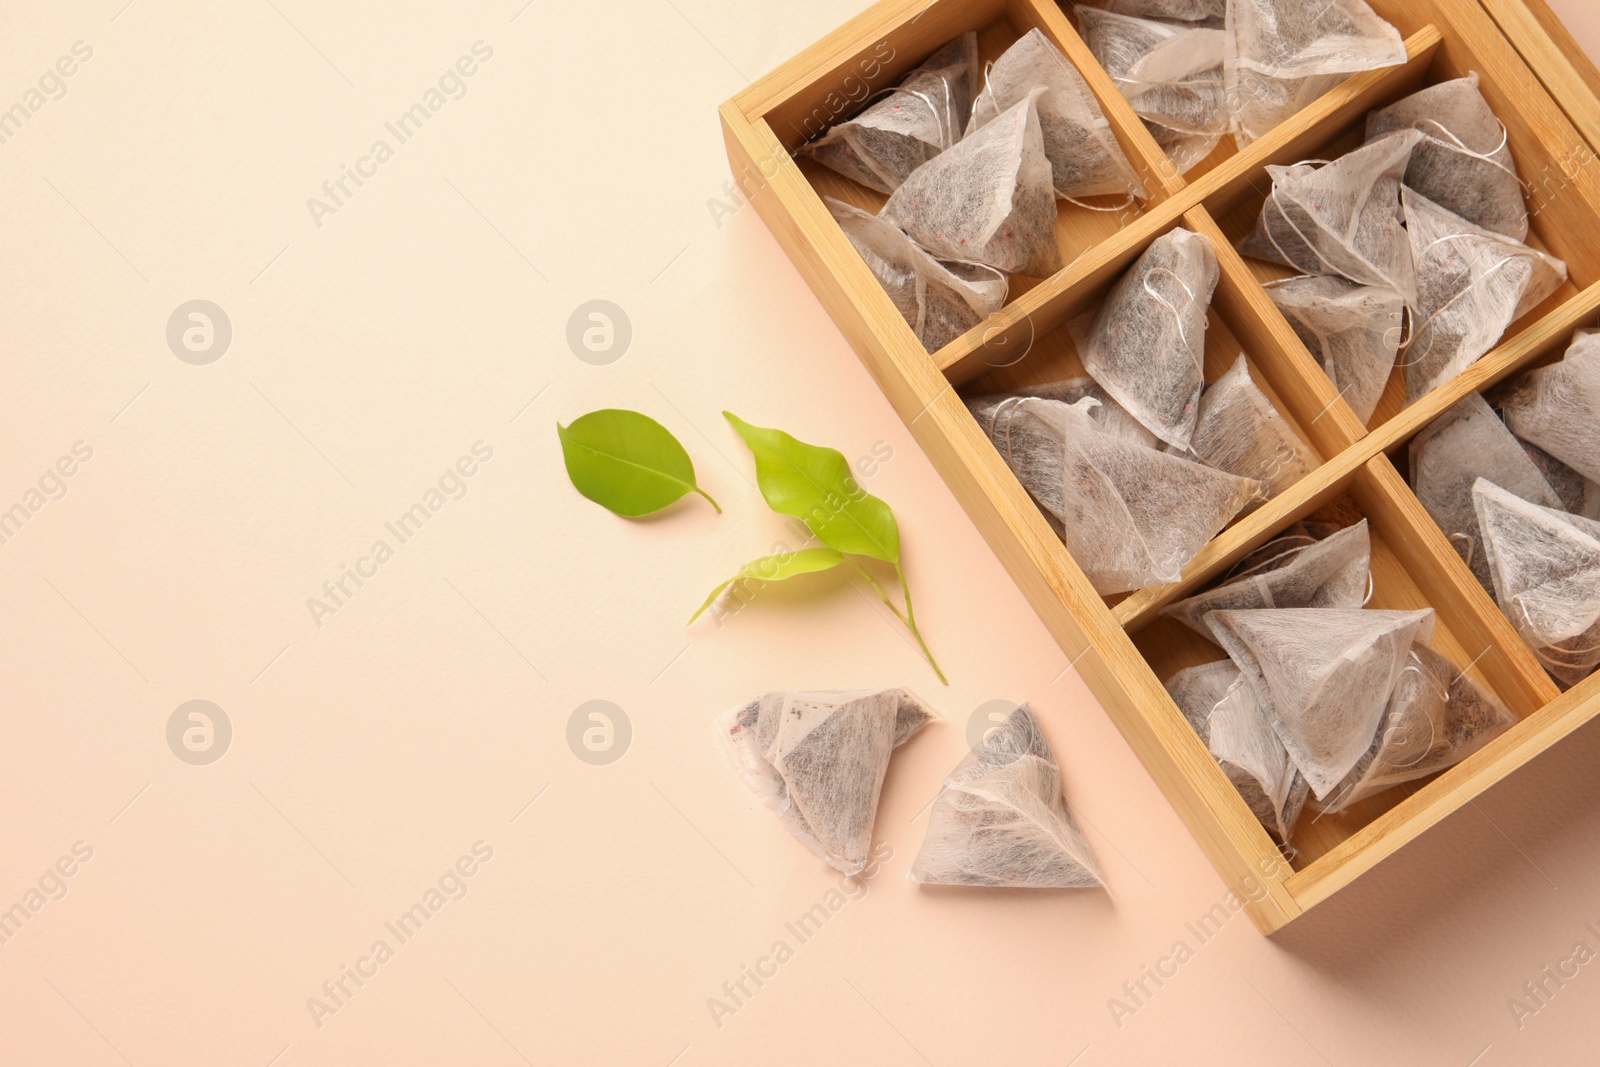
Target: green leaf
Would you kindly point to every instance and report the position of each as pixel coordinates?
(776, 569)
(627, 462)
(814, 485)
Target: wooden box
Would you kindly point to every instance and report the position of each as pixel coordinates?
(1120, 645)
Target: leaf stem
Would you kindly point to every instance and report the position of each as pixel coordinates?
(911, 624)
(707, 495)
(879, 590)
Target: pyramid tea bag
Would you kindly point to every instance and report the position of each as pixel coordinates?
(990, 199)
(1471, 285)
(1353, 330)
(1436, 718)
(924, 115)
(818, 761)
(1131, 516)
(1111, 416)
(1546, 569)
(1283, 54)
(1085, 157)
(1197, 690)
(1242, 737)
(1000, 819)
(1558, 407)
(1342, 218)
(1170, 72)
(940, 301)
(1185, 150)
(1147, 343)
(1462, 163)
(1180, 10)
(1323, 675)
(1331, 573)
(1239, 431)
(1464, 444)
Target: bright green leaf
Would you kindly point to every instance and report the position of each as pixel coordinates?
(814, 485)
(627, 462)
(776, 568)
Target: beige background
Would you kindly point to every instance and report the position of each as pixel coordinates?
(370, 753)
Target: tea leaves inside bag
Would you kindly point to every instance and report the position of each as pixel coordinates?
(1558, 407)
(1001, 820)
(990, 199)
(1239, 431)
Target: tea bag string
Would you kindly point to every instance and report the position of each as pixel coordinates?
(1487, 157)
(1284, 215)
(1418, 331)
(1177, 316)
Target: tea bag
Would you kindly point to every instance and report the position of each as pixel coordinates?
(1342, 218)
(1283, 54)
(818, 760)
(1546, 568)
(1558, 407)
(1131, 516)
(1353, 330)
(940, 301)
(990, 199)
(1239, 431)
(1000, 819)
(1471, 285)
(1436, 718)
(1180, 10)
(1185, 150)
(1085, 157)
(1462, 163)
(1171, 73)
(1147, 343)
(1451, 453)
(1243, 739)
(1323, 675)
(1331, 573)
(1111, 416)
(1196, 690)
(924, 115)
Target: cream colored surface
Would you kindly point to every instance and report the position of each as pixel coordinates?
(369, 754)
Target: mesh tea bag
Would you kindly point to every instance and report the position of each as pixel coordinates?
(1464, 444)
(1242, 737)
(1283, 54)
(818, 761)
(1171, 73)
(1558, 407)
(990, 199)
(1000, 819)
(1471, 285)
(1109, 414)
(1239, 431)
(1185, 150)
(1546, 569)
(1331, 573)
(1436, 718)
(925, 114)
(1324, 676)
(1462, 163)
(940, 301)
(1342, 218)
(1147, 343)
(1353, 330)
(1131, 516)
(1085, 157)
(1181, 10)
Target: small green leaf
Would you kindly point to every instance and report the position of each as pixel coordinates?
(627, 462)
(776, 568)
(814, 485)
